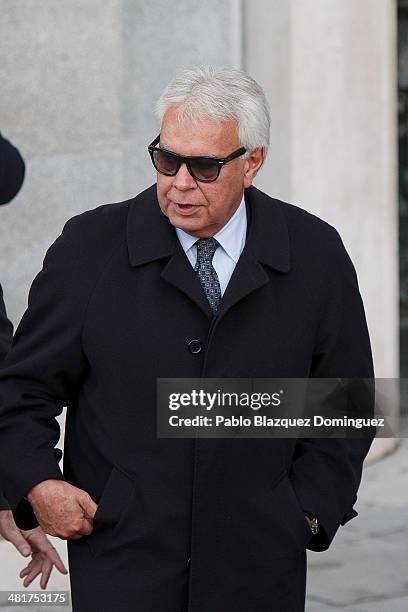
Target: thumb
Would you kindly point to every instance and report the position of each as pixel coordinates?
(89, 507)
(21, 544)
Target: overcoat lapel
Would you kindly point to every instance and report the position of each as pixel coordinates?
(248, 276)
(267, 243)
(151, 237)
(179, 272)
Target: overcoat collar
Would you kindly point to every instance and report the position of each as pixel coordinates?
(151, 237)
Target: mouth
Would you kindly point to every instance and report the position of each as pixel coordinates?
(185, 209)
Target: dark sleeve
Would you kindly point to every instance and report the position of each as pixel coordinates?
(42, 370)
(326, 473)
(23, 514)
(3, 502)
(6, 329)
(12, 170)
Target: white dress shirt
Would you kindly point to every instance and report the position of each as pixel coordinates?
(232, 241)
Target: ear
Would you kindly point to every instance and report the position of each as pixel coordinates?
(252, 164)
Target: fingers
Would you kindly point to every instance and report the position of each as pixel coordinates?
(24, 571)
(38, 565)
(40, 541)
(89, 507)
(11, 533)
(72, 527)
(31, 572)
(46, 573)
(44, 551)
(87, 527)
(79, 528)
(21, 544)
(56, 560)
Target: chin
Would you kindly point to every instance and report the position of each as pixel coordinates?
(185, 224)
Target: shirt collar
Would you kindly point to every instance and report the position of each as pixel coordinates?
(151, 237)
(231, 237)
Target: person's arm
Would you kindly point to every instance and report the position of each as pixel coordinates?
(23, 514)
(326, 473)
(3, 502)
(43, 369)
(12, 171)
(6, 329)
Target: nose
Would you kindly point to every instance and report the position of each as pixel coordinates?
(183, 179)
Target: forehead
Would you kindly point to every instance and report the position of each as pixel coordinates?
(203, 137)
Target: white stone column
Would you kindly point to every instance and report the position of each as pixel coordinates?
(329, 69)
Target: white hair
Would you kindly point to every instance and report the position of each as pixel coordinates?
(220, 94)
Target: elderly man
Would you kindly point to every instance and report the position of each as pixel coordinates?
(201, 275)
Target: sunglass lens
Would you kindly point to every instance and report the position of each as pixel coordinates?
(204, 169)
(166, 163)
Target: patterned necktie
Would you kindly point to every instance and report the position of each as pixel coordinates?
(206, 248)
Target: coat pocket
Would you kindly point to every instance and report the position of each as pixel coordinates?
(116, 498)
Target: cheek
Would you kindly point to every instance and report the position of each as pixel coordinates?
(163, 187)
(219, 199)
(163, 184)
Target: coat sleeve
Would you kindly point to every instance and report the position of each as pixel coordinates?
(326, 473)
(6, 335)
(6, 329)
(3, 502)
(42, 370)
(23, 514)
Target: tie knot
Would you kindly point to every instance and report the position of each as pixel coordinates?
(206, 248)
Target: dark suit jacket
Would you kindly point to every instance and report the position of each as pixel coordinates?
(192, 524)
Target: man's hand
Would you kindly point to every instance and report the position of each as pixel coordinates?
(309, 520)
(32, 542)
(10, 532)
(62, 510)
(43, 558)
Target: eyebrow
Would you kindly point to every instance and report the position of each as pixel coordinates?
(161, 146)
(170, 150)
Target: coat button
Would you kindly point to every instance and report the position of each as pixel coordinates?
(194, 346)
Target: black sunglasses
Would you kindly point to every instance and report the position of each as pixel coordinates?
(201, 168)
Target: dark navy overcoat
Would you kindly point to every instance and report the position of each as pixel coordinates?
(198, 525)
